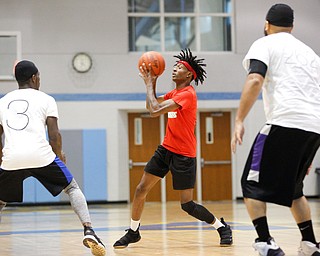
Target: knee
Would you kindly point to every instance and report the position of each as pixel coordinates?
(141, 190)
(188, 207)
(72, 186)
(198, 211)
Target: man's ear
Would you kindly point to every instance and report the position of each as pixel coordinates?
(33, 78)
(266, 25)
(291, 29)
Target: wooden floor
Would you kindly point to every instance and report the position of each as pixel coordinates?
(166, 230)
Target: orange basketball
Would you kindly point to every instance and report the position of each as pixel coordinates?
(156, 59)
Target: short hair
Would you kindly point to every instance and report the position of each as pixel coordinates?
(196, 64)
(24, 70)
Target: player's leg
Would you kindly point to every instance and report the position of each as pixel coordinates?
(300, 207)
(146, 183)
(183, 171)
(78, 203)
(56, 178)
(301, 212)
(266, 163)
(257, 211)
(264, 244)
(155, 169)
(200, 212)
(80, 207)
(251, 184)
(195, 210)
(11, 187)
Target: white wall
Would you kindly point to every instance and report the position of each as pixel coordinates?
(53, 31)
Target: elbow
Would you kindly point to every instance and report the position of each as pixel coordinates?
(154, 111)
(54, 136)
(151, 112)
(256, 79)
(55, 140)
(154, 114)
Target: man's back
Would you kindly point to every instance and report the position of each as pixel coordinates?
(23, 115)
(291, 89)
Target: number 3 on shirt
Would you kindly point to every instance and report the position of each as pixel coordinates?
(17, 119)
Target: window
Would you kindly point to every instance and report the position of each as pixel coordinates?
(10, 52)
(172, 25)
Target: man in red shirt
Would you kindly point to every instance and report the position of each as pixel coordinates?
(178, 150)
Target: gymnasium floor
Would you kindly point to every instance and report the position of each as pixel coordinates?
(166, 230)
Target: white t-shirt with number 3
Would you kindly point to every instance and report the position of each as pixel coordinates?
(291, 91)
(23, 115)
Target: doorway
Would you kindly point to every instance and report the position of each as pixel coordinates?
(216, 172)
(144, 137)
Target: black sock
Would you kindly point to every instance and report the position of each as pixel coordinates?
(262, 228)
(306, 230)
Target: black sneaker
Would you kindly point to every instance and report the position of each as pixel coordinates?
(130, 237)
(92, 241)
(225, 234)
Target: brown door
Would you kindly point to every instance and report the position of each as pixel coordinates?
(215, 156)
(144, 137)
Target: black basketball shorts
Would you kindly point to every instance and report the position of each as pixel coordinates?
(278, 163)
(54, 177)
(183, 168)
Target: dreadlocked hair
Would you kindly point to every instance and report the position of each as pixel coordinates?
(197, 65)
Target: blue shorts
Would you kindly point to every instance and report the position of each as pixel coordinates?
(54, 177)
(183, 168)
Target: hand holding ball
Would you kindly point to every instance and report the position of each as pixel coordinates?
(155, 59)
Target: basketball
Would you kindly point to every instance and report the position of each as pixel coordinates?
(156, 59)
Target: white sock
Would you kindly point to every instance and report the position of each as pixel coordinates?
(217, 224)
(134, 224)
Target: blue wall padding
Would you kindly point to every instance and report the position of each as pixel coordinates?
(94, 164)
(86, 159)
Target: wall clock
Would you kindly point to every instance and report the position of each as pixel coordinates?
(82, 62)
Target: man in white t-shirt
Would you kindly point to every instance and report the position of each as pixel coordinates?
(25, 115)
(288, 73)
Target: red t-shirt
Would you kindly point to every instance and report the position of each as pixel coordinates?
(180, 134)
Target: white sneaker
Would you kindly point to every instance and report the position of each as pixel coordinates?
(308, 249)
(269, 248)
